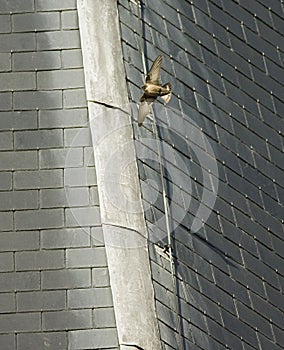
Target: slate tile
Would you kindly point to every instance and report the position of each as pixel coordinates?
(279, 107)
(248, 280)
(248, 243)
(128, 18)
(274, 70)
(281, 280)
(260, 269)
(71, 319)
(133, 56)
(187, 274)
(227, 21)
(278, 245)
(166, 314)
(20, 322)
(200, 302)
(224, 208)
(240, 14)
(268, 311)
(269, 134)
(254, 176)
(204, 38)
(200, 338)
(250, 139)
(184, 8)
(256, 9)
(277, 20)
(223, 335)
(163, 294)
(189, 78)
(218, 3)
(267, 32)
(257, 42)
(206, 74)
(275, 6)
(156, 20)
(229, 250)
(178, 54)
(273, 207)
(256, 92)
(213, 113)
(134, 77)
(56, 340)
(256, 321)
(249, 225)
(245, 155)
(266, 220)
(269, 84)
(168, 336)
(216, 294)
(267, 344)
(221, 167)
(270, 258)
(239, 53)
(9, 340)
(232, 287)
(277, 156)
(195, 261)
(188, 336)
(255, 58)
(91, 338)
(202, 5)
(227, 139)
(240, 97)
(191, 46)
(275, 297)
(226, 70)
(55, 40)
(233, 232)
(279, 335)
(239, 328)
(53, 5)
(232, 196)
(164, 10)
(128, 35)
(234, 111)
(211, 59)
(212, 255)
(213, 222)
(244, 187)
(231, 161)
(279, 192)
(211, 26)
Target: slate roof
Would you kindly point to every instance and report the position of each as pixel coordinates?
(224, 59)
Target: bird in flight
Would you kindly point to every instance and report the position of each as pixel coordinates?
(152, 89)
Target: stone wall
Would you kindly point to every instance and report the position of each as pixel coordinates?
(54, 284)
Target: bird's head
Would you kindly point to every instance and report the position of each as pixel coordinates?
(143, 87)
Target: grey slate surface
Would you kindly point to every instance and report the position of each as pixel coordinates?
(54, 285)
(224, 59)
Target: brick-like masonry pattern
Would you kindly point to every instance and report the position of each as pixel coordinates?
(225, 60)
(54, 283)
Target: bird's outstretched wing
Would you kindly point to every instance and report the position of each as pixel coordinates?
(144, 108)
(153, 75)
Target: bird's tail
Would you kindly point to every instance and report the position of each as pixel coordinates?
(167, 97)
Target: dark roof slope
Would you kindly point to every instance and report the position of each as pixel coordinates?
(225, 62)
